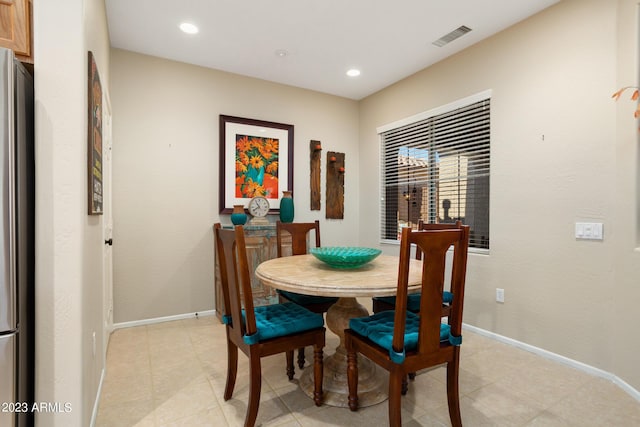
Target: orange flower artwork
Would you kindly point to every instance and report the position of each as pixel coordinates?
(256, 161)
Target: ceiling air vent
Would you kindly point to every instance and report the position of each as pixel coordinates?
(447, 38)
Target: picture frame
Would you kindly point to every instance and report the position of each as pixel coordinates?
(94, 139)
(256, 159)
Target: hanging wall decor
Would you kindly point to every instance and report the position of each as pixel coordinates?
(315, 149)
(94, 137)
(335, 185)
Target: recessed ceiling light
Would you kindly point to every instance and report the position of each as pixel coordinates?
(281, 53)
(189, 28)
(353, 72)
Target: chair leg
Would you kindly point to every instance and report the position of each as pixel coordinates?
(255, 384)
(412, 376)
(405, 385)
(453, 396)
(395, 395)
(352, 379)
(374, 306)
(232, 369)
(301, 357)
(290, 370)
(318, 372)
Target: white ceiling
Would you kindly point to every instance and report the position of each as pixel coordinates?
(387, 40)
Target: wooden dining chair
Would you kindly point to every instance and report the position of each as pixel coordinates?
(299, 232)
(401, 341)
(413, 300)
(261, 331)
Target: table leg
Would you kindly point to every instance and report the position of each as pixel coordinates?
(372, 381)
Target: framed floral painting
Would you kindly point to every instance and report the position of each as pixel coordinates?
(256, 159)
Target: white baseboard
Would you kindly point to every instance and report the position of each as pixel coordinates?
(557, 358)
(626, 387)
(163, 319)
(96, 404)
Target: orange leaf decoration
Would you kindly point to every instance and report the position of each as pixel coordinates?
(616, 95)
(634, 97)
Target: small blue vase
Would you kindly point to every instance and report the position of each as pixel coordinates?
(286, 207)
(238, 217)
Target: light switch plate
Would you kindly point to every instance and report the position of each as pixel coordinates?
(589, 230)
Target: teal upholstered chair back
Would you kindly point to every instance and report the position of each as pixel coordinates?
(434, 244)
(235, 280)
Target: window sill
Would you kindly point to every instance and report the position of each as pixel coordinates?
(477, 251)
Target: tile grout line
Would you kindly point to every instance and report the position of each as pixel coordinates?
(153, 392)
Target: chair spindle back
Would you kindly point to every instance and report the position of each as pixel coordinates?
(434, 244)
(235, 279)
(299, 232)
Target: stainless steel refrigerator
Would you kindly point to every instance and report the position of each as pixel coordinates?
(17, 201)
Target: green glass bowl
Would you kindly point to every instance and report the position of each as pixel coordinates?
(345, 257)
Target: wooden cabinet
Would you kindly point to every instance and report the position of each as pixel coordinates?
(15, 28)
(261, 245)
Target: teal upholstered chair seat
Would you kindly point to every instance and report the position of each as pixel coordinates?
(413, 300)
(279, 320)
(305, 300)
(379, 329)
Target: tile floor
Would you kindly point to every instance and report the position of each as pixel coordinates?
(173, 374)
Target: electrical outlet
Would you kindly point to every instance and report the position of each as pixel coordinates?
(499, 295)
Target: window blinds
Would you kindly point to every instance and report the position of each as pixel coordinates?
(437, 169)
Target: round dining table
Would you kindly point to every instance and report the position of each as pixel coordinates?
(306, 274)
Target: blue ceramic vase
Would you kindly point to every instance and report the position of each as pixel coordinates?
(238, 216)
(286, 207)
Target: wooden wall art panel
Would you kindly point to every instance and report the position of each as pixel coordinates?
(315, 150)
(335, 185)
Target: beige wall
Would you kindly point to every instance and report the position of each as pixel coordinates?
(626, 290)
(551, 75)
(68, 241)
(166, 149)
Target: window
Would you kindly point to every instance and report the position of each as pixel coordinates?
(435, 168)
